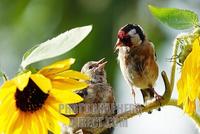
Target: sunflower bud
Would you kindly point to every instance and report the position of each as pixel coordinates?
(185, 40)
(185, 51)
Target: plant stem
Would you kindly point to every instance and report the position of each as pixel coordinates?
(5, 77)
(196, 119)
(173, 68)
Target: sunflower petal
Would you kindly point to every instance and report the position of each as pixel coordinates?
(53, 125)
(57, 67)
(6, 90)
(68, 84)
(42, 122)
(35, 126)
(27, 123)
(5, 103)
(61, 108)
(42, 82)
(64, 96)
(7, 85)
(21, 81)
(11, 123)
(189, 107)
(18, 124)
(56, 115)
(74, 74)
(5, 118)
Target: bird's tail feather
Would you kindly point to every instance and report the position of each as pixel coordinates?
(148, 94)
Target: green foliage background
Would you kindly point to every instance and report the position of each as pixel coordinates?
(25, 23)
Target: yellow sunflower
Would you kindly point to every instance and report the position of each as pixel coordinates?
(29, 103)
(189, 83)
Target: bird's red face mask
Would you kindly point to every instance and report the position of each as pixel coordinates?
(123, 40)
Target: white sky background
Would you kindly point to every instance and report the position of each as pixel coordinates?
(170, 120)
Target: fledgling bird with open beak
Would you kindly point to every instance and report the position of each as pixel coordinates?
(99, 91)
(137, 58)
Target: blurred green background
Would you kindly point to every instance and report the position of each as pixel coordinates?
(25, 23)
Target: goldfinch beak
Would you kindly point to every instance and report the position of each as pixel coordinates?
(118, 44)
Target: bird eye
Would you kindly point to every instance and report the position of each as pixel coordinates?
(90, 67)
(126, 40)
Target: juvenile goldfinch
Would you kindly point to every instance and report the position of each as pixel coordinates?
(99, 102)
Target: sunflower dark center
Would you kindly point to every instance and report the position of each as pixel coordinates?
(31, 98)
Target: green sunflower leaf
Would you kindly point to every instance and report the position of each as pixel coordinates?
(175, 18)
(56, 46)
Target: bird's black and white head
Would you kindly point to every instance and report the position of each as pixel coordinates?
(95, 70)
(130, 35)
